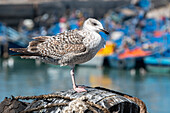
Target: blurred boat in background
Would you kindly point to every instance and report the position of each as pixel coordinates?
(158, 64)
(128, 63)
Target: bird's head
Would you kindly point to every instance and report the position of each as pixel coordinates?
(94, 25)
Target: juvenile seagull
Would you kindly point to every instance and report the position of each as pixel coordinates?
(67, 48)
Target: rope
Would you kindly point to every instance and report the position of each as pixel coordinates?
(90, 106)
(97, 106)
(43, 107)
(42, 97)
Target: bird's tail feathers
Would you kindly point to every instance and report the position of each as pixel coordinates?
(23, 52)
(19, 50)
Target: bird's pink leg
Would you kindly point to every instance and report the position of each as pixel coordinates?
(77, 89)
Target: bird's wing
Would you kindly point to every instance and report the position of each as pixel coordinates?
(59, 45)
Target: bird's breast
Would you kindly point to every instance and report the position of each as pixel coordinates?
(93, 40)
(94, 44)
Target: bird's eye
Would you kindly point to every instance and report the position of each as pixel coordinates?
(94, 24)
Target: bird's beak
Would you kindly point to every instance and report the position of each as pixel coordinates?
(106, 32)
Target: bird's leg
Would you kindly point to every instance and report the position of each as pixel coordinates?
(77, 89)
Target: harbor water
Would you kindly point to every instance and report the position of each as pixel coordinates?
(19, 77)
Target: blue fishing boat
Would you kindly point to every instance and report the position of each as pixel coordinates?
(128, 63)
(158, 64)
(160, 61)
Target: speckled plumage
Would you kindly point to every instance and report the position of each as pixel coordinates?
(67, 48)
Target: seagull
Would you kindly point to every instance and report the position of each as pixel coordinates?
(68, 48)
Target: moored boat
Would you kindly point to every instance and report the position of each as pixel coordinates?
(158, 64)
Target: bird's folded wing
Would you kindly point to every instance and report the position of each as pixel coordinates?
(59, 45)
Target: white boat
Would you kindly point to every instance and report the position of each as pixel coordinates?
(97, 61)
